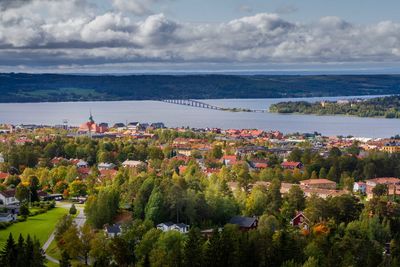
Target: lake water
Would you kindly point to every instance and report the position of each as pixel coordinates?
(175, 116)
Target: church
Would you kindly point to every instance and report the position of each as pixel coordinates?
(90, 127)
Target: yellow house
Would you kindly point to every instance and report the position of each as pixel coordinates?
(391, 148)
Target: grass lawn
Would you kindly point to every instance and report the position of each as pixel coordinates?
(41, 226)
(53, 250)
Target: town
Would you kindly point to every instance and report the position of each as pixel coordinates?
(194, 183)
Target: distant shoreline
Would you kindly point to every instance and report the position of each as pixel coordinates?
(37, 88)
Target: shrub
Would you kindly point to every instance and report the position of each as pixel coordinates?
(24, 210)
(4, 225)
(72, 210)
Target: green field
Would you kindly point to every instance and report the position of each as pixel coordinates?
(41, 226)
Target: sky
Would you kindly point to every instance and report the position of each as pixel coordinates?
(257, 36)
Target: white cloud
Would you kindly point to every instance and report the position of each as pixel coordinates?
(64, 32)
(138, 7)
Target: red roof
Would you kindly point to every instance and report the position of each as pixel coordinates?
(261, 165)
(108, 173)
(229, 157)
(385, 180)
(3, 175)
(317, 181)
(294, 164)
(84, 171)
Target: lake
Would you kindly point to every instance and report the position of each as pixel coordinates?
(175, 116)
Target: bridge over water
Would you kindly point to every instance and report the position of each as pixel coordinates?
(199, 104)
(192, 103)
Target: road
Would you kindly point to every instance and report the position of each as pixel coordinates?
(79, 220)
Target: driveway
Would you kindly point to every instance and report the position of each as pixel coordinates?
(79, 220)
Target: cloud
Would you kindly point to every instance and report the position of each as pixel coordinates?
(71, 33)
(5, 4)
(137, 7)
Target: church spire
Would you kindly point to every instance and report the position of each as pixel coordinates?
(91, 118)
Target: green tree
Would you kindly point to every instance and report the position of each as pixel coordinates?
(65, 260)
(8, 256)
(21, 260)
(168, 250)
(121, 251)
(72, 210)
(332, 174)
(193, 249)
(85, 238)
(380, 190)
(34, 187)
(257, 201)
(322, 173)
(70, 241)
(216, 152)
(102, 208)
(154, 209)
(274, 197)
(24, 210)
(146, 245)
(63, 224)
(100, 252)
(22, 193)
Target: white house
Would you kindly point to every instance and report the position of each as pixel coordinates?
(82, 164)
(7, 198)
(169, 226)
(133, 164)
(106, 166)
(360, 187)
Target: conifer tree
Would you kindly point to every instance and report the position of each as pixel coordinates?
(9, 253)
(65, 260)
(21, 261)
(193, 254)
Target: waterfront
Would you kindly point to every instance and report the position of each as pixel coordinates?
(176, 116)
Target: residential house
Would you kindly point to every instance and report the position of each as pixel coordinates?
(300, 221)
(157, 125)
(245, 223)
(133, 126)
(184, 151)
(250, 150)
(318, 183)
(134, 164)
(229, 160)
(360, 187)
(169, 226)
(106, 166)
(392, 183)
(83, 172)
(81, 164)
(57, 160)
(391, 147)
(113, 230)
(119, 127)
(291, 165)
(309, 191)
(259, 164)
(7, 198)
